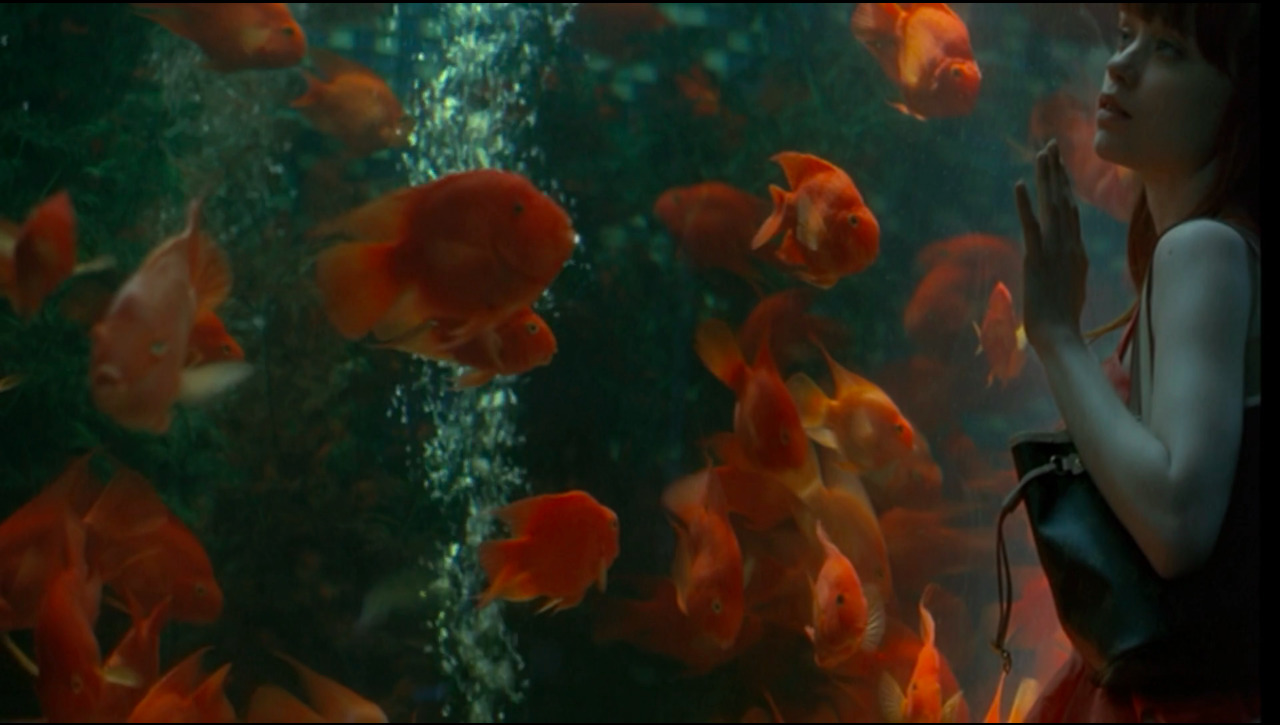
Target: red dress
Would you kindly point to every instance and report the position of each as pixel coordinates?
(1072, 695)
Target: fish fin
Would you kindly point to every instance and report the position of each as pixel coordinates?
(801, 167)
(100, 263)
(122, 676)
(1026, 696)
(129, 506)
(311, 96)
(552, 604)
(210, 268)
(993, 713)
(497, 560)
(891, 698)
(809, 631)
(331, 65)
(978, 331)
(773, 224)
(951, 708)
(602, 581)
(902, 108)
(208, 381)
(9, 382)
(876, 25)
(811, 404)
(718, 348)
(24, 661)
(516, 515)
(377, 219)
(270, 703)
(473, 379)
(877, 620)
(357, 285)
(170, 16)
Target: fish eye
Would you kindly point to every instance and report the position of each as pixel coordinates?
(226, 349)
(956, 72)
(785, 436)
(77, 684)
(716, 606)
(287, 30)
(853, 220)
(158, 348)
(613, 523)
(840, 600)
(531, 328)
(200, 590)
(519, 208)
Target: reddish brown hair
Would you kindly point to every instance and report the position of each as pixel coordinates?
(1228, 35)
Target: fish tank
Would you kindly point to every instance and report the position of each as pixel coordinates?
(548, 362)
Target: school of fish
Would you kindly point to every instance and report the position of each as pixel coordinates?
(816, 533)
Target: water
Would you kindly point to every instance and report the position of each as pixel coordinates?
(342, 490)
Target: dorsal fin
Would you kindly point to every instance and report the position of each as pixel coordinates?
(799, 167)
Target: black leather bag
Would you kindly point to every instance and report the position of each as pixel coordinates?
(1109, 599)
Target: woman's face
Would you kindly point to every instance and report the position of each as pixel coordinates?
(1162, 102)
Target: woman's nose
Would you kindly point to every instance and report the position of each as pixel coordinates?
(1121, 68)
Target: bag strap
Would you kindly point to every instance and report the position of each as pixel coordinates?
(1004, 572)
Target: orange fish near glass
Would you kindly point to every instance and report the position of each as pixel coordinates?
(354, 105)
(469, 249)
(560, 545)
(234, 36)
(924, 49)
(829, 232)
(38, 256)
(1000, 339)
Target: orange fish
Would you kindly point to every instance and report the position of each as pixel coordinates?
(829, 231)
(561, 543)
(516, 345)
(713, 222)
(184, 696)
(959, 273)
(1070, 119)
(785, 315)
(39, 256)
(861, 422)
(765, 418)
(1023, 699)
(147, 554)
(331, 701)
(354, 105)
(137, 652)
(707, 571)
(924, 49)
(139, 348)
(210, 342)
(470, 248)
(234, 36)
(1004, 343)
(922, 702)
(846, 617)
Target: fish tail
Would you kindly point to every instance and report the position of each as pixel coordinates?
(357, 285)
(875, 25)
(501, 563)
(718, 349)
(773, 224)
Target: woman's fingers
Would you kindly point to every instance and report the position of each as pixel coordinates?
(1030, 225)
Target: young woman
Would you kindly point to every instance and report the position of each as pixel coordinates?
(1179, 106)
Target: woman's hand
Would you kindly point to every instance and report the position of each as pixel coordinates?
(1055, 267)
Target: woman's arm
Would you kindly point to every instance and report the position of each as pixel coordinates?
(1169, 482)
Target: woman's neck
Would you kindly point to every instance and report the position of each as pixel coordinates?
(1173, 197)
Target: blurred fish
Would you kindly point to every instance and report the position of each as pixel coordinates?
(924, 49)
(184, 695)
(923, 702)
(713, 222)
(234, 36)
(708, 566)
(39, 256)
(139, 347)
(210, 342)
(330, 701)
(617, 30)
(560, 545)
(354, 105)
(786, 315)
(828, 231)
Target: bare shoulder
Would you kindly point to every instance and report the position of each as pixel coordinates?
(1202, 247)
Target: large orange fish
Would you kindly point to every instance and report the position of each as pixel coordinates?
(924, 49)
(354, 105)
(847, 618)
(234, 36)
(862, 422)
(185, 695)
(332, 702)
(139, 348)
(714, 223)
(470, 248)
(39, 256)
(1000, 339)
(561, 544)
(707, 570)
(516, 345)
(765, 418)
(829, 232)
